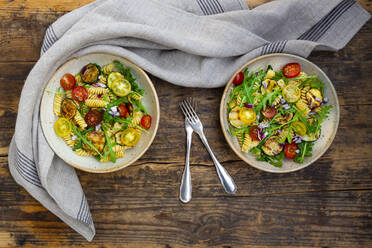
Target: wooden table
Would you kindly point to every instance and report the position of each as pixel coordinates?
(328, 204)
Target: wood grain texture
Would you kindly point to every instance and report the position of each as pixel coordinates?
(328, 204)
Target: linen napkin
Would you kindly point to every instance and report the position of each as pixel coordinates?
(195, 43)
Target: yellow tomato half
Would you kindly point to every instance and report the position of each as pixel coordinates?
(62, 127)
(299, 127)
(121, 87)
(247, 115)
(130, 136)
(291, 93)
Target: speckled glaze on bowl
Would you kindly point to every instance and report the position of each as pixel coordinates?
(90, 164)
(329, 126)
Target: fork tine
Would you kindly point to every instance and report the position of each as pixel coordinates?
(192, 111)
(185, 111)
(188, 111)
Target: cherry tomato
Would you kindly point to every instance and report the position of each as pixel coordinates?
(146, 121)
(68, 108)
(67, 81)
(290, 150)
(130, 136)
(247, 115)
(62, 127)
(291, 70)
(123, 110)
(269, 112)
(79, 94)
(93, 117)
(238, 78)
(253, 132)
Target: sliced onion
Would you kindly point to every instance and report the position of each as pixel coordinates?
(248, 105)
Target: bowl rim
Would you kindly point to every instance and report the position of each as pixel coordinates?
(119, 166)
(227, 135)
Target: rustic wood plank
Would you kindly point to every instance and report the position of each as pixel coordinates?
(339, 218)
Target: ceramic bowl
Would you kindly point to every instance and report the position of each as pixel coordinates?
(90, 164)
(329, 126)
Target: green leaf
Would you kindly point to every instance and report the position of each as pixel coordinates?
(305, 150)
(128, 75)
(109, 145)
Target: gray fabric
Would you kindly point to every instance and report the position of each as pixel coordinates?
(196, 43)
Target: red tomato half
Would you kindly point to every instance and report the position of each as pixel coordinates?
(123, 110)
(238, 78)
(93, 117)
(269, 112)
(67, 82)
(79, 94)
(146, 121)
(290, 150)
(291, 70)
(253, 132)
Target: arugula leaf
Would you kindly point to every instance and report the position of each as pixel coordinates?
(109, 145)
(277, 160)
(83, 109)
(322, 115)
(140, 107)
(128, 75)
(305, 150)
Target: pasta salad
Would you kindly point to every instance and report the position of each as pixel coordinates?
(277, 114)
(99, 111)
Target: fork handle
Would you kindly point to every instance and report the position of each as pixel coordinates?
(186, 187)
(225, 178)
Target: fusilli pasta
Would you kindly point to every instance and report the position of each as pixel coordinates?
(95, 103)
(57, 104)
(248, 143)
(79, 120)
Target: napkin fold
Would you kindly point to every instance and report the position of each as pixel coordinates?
(183, 42)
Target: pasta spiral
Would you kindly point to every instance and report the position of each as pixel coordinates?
(303, 106)
(294, 83)
(135, 96)
(240, 137)
(102, 79)
(286, 131)
(95, 103)
(281, 83)
(238, 100)
(68, 140)
(276, 102)
(304, 90)
(98, 90)
(107, 69)
(79, 120)
(248, 143)
(119, 151)
(82, 152)
(57, 104)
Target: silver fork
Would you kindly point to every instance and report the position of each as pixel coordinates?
(191, 116)
(186, 187)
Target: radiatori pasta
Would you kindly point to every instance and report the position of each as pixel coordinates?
(277, 114)
(97, 119)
